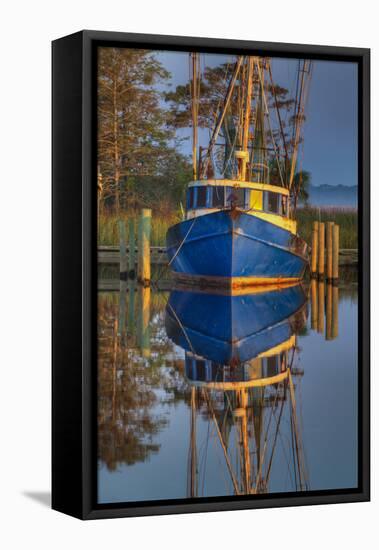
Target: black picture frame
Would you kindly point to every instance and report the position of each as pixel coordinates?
(75, 277)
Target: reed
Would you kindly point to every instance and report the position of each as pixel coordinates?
(347, 219)
(109, 228)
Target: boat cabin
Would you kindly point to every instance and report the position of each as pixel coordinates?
(246, 196)
(268, 366)
(266, 201)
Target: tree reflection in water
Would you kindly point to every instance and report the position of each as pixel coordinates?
(129, 379)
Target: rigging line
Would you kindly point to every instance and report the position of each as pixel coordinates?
(223, 473)
(302, 467)
(300, 174)
(175, 255)
(295, 107)
(293, 450)
(301, 429)
(182, 327)
(274, 442)
(235, 485)
(233, 146)
(222, 115)
(204, 461)
(296, 126)
(238, 448)
(261, 458)
(269, 124)
(294, 421)
(226, 72)
(278, 114)
(182, 243)
(302, 98)
(285, 450)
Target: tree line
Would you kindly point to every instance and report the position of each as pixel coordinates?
(140, 161)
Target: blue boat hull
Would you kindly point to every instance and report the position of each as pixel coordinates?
(234, 329)
(232, 245)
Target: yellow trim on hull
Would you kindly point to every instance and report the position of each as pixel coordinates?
(233, 386)
(260, 284)
(284, 346)
(275, 219)
(253, 289)
(244, 184)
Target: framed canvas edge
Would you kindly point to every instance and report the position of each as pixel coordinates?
(90, 39)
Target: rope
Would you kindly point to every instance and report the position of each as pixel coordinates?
(181, 327)
(182, 243)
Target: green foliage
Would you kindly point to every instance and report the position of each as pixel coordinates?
(137, 148)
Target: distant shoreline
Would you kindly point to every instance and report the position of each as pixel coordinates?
(333, 196)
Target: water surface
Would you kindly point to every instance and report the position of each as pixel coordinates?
(204, 395)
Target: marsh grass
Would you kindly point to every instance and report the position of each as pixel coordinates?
(346, 218)
(109, 235)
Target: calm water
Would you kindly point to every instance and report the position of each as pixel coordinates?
(207, 395)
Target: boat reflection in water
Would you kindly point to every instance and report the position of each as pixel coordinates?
(240, 363)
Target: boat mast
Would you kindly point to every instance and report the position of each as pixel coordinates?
(246, 126)
(299, 113)
(195, 89)
(192, 483)
(221, 117)
(281, 127)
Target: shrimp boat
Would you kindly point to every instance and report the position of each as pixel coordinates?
(240, 228)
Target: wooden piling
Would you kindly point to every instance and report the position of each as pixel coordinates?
(329, 250)
(314, 304)
(329, 311)
(122, 311)
(321, 249)
(314, 249)
(144, 232)
(132, 250)
(336, 251)
(335, 311)
(321, 306)
(144, 321)
(131, 307)
(123, 258)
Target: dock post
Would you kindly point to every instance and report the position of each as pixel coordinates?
(329, 311)
(314, 249)
(314, 304)
(336, 252)
(321, 306)
(329, 250)
(144, 247)
(122, 311)
(123, 259)
(321, 249)
(131, 307)
(144, 295)
(335, 312)
(132, 250)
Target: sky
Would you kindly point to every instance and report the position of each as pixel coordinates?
(330, 130)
